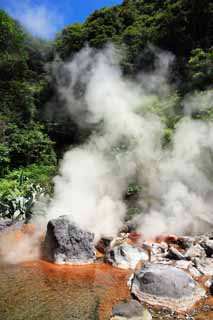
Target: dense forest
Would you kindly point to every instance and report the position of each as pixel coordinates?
(33, 132)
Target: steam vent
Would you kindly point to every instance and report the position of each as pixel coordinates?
(66, 243)
(164, 285)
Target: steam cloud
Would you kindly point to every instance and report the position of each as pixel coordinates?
(17, 246)
(127, 146)
(42, 19)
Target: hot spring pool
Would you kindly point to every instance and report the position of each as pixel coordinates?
(40, 290)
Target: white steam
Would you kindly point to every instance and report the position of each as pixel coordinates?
(17, 246)
(127, 146)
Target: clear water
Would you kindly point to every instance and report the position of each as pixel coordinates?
(40, 290)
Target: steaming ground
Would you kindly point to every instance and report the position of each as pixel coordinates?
(127, 146)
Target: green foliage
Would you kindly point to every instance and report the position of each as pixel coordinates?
(70, 40)
(19, 207)
(200, 69)
(29, 145)
(18, 182)
(11, 36)
(24, 143)
(18, 101)
(133, 189)
(171, 25)
(21, 188)
(4, 159)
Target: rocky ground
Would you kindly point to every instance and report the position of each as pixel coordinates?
(170, 275)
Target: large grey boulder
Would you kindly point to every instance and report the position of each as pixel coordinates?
(165, 286)
(132, 310)
(126, 256)
(66, 243)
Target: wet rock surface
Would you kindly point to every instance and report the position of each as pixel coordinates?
(165, 285)
(130, 310)
(66, 243)
(126, 256)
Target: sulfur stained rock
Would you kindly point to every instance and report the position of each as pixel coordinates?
(165, 286)
(126, 256)
(66, 243)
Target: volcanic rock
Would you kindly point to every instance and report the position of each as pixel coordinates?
(126, 256)
(157, 248)
(211, 289)
(195, 251)
(186, 242)
(130, 310)
(66, 243)
(104, 244)
(208, 247)
(204, 266)
(194, 271)
(174, 254)
(165, 286)
(211, 286)
(183, 264)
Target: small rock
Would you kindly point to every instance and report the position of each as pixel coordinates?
(186, 242)
(208, 247)
(66, 243)
(121, 239)
(195, 251)
(211, 287)
(126, 256)
(209, 282)
(159, 248)
(204, 266)
(130, 310)
(165, 286)
(183, 264)
(194, 272)
(210, 235)
(103, 244)
(174, 254)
